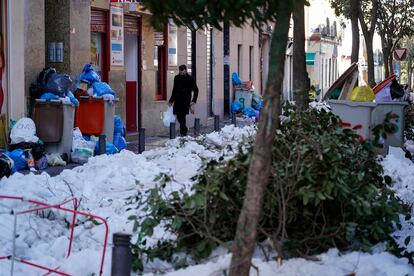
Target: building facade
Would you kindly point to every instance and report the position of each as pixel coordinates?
(136, 60)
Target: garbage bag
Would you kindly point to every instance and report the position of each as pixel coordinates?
(362, 94)
(168, 117)
(236, 107)
(54, 159)
(397, 91)
(384, 95)
(235, 78)
(38, 149)
(119, 141)
(81, 149)
(41, 164)
(257, 105)
(58, 84)
(109, 148)
(24, 131)
(89, 74)
(19, 158)
(249, 112)
(72, 98)
(49, 96)
(119, 126)
(37, 87)
(6, 165)
(102, 88)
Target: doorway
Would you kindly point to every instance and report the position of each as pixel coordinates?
(133, 72)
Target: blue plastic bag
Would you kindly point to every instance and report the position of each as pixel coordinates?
(19, 159)
(249, 112)
(119, 126)
(89, 74)
(110, 148)
(236, 107)
(257, 105)
(73, 99)
(58, 84)
(235, 78)
(119, 141)
(102, 88)
(49, 96)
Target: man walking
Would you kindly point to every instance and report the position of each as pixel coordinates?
(184, 84)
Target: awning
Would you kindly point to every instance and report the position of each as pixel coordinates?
(310, 58)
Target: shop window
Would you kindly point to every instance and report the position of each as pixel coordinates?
(161, 63)
(239, 58)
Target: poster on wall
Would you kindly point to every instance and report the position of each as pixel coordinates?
(117, 36)
(172, 44)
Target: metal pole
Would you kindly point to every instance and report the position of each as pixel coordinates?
(172, 131)
(121, 255)
(141, 140)
(14, 243)
(102, 144)
(196, 126)
(216, 122)
(233, 119)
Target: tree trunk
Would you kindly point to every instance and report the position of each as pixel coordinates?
(260, 165)
(390, 63)
(386, 63)
(300, 77)
(355, 31)
(370, 56)
(409, 72)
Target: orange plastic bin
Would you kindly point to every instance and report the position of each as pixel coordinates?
(90, 115)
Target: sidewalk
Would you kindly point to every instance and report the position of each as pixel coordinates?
(151, 142)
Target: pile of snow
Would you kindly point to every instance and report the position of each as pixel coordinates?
(104, 187)
(330, 263)
(107, 184)
(401, 170)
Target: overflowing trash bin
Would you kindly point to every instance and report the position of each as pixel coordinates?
(376, 114)
(54, 122)
(246, 100)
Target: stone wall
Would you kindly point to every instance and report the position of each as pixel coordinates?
(34, 42)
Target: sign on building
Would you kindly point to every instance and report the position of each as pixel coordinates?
(117, 35)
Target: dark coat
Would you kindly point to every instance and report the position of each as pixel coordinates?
(181, 93)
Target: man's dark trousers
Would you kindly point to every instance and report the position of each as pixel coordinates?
(181, 121)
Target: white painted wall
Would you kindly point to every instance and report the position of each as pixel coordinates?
(17, 101)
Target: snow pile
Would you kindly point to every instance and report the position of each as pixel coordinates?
(319, 106)
(401, 170)
(330, 263)
(104, 186)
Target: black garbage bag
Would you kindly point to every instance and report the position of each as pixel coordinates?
(38, 150)
(36, 87)
(58, 84)
(6, 165)
(397, 91)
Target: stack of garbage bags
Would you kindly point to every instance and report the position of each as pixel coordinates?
(51, 85)
(247, 101)
(86, 146)
(25, 151)
(90, 84)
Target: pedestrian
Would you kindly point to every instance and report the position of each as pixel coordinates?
(181, 97)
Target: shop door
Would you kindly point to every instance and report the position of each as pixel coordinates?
(133, 72)
(99, 57)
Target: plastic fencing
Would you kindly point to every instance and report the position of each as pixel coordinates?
(39, 206)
